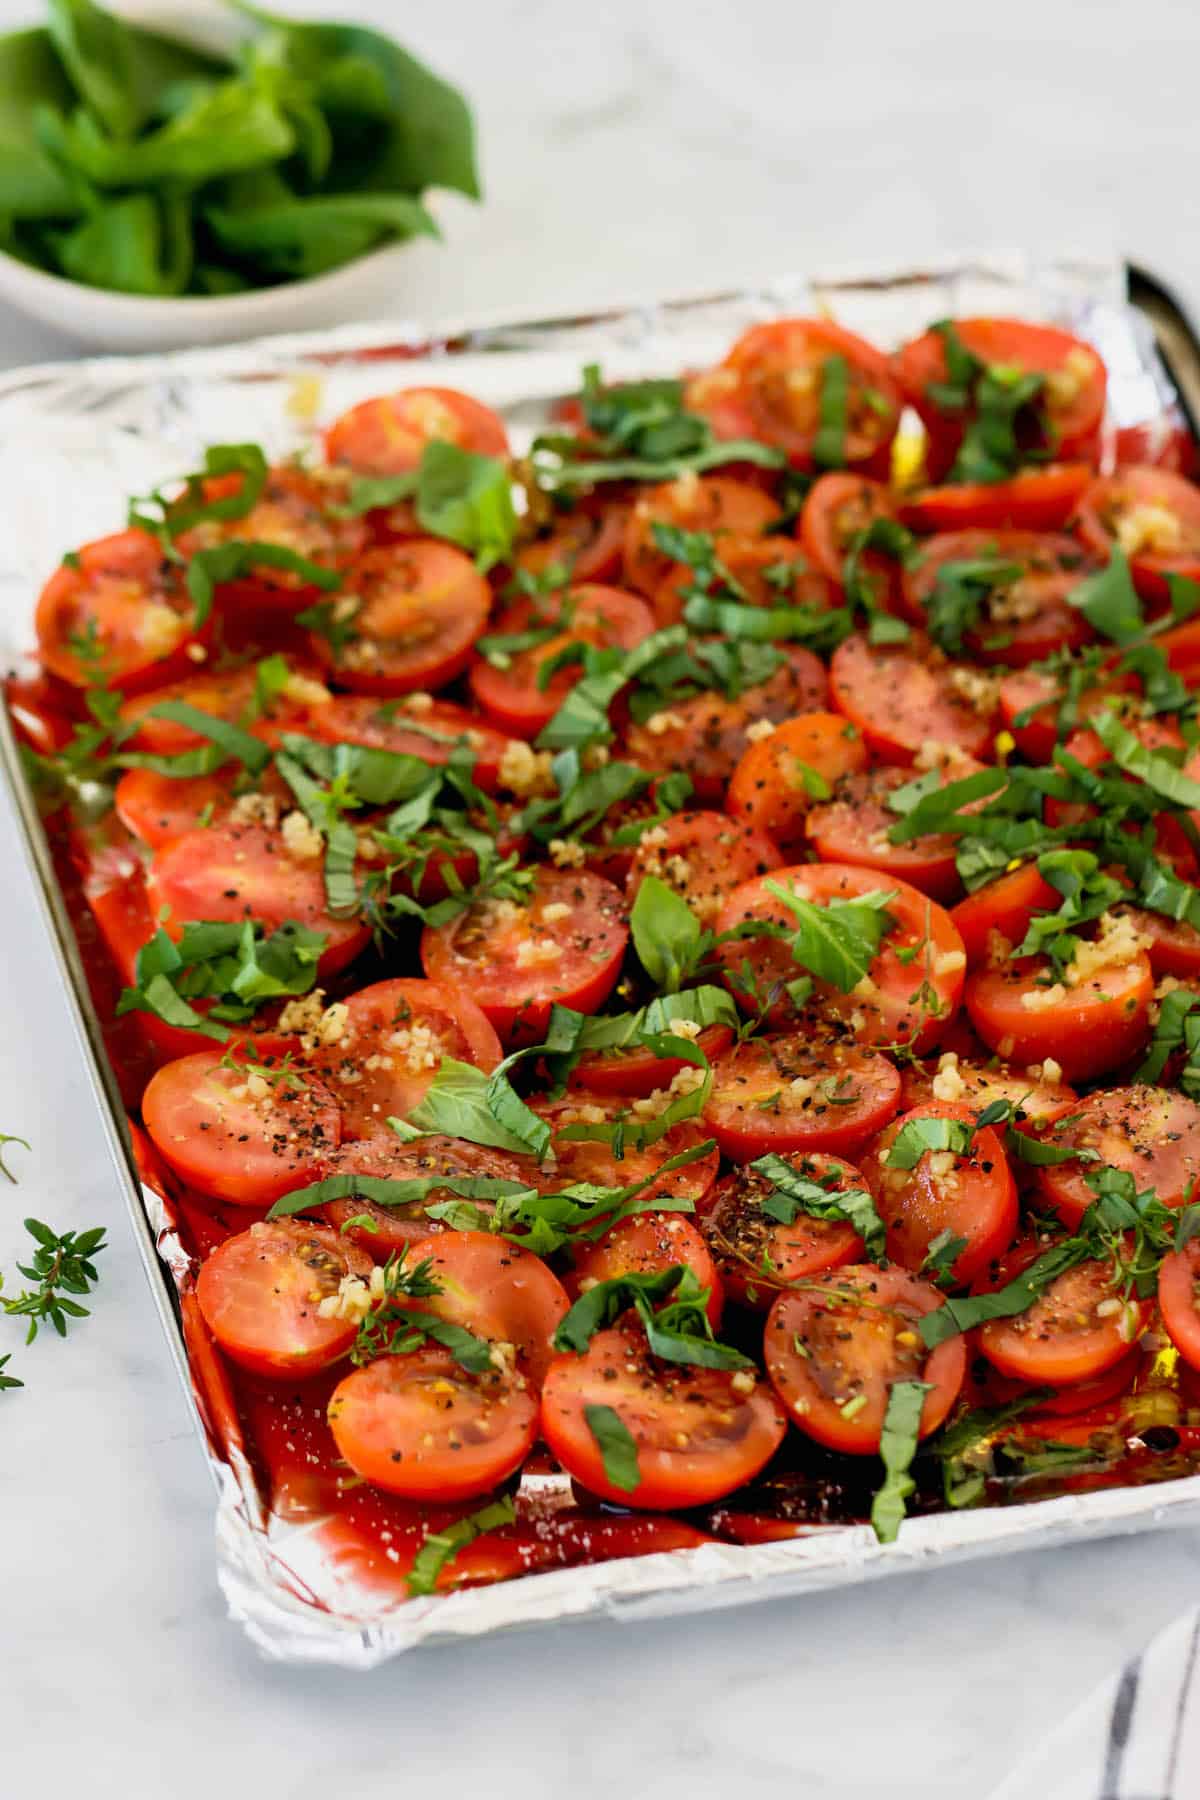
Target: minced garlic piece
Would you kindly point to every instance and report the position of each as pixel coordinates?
(301, 839)
(949, 962)
(525, 771)
(255, 809)
(1012, 606)
(418, 703)
(661, 722)
(686, 1028)
(1064, 385)
(743, 1382)
(532, 952)
(943, 1170)
(419, 1045)
(1049, 1071)
(654, 839)
(1118, 943)
(566, 854)
(581, 1115)
(865, 989)
(319, 1027)
(688, 1079)
(948, 1084)
(596, 756)
(159, 629)
(302, 690)
(713, 384)
(760, 729)
(1150, 526)
(684, 491)
(354, 1298)
(195, 653)
(1040, 999)
(934, 754)
(803, 1088)
(980, 691)
(552, 914)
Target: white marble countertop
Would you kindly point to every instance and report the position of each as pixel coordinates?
(627, 149)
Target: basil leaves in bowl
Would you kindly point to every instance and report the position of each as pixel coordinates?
(158, 189)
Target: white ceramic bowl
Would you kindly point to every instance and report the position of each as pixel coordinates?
(112, 321)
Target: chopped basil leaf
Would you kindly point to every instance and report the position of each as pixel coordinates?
(385, 1191)
(678, 1330)
(666, 933)
(837, 941)
(209, 569)
(916, 1137)
(441, 1547)
(583, 716)
(462, 1101)
(616, 1445)
(829, 444)
(793, 1193)
(897, 1448)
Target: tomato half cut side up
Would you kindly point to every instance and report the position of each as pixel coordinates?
(852, 826)
(415, 611)
(117, 614)
(585, 542)
(1026, 614)
(1178, 1279)
(646, 1244)
(835, 1350)
(782, 775)
(701, 855)
(799, 1092)
(758, 1254)
(1087, 1030)
(916, 978)
(901, 699)
(380, 1049)
(422, 1426)
(595, 1161)
(563, 947)
(971, 1196)
(294, 512)
(230, 872)
(388, 435)
(715, 504)
(839, 508)
(768, 571)
(261, 1294)
(698, 1434)
(708, 734)
(500, 1292)
(383, 1231)
(1154, 516)
(1004, 908)
(784, 367)
(1034, 500)
(506, 682)
(240, 1133)
(1081, 1326)
(1152, 1132)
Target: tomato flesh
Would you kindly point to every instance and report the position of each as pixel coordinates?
(261, 1294)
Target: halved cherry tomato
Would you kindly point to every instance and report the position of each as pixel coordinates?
(853, 826)
(1027, 614)
(389, 1042)
(782, 368)
(702, 855)
(1172, 945)
(498, 1291)
(710, 503)
(117, 613)
(1037, 1101)
(235, 872)
(422, 1426)
(564, 947)
(646, 1244)
(293, 511)
(1005, 907)
(385, 1230)
(1030, 702)
(780, 776)
(420, 606)
(261, 1293)
(238, 1132)
(1081, 1326)
(158, 809)
(1178, 1280)
(412, 725)
(910, 1001)
(510, 694)
(839, 508)
(1034, 500)
(1152, 1132)
(697, 1435)
(595, 1161)
(226, 694)
(902, 697)
(388, 435)
(586, 542)
(708, 735)
(798, 1093)
(1064, 417)
(634, 1074)
(1154, 515)
(835, 1350)
(1025, 1016)
(769, 571)
(972, 1196)
(758, 1254)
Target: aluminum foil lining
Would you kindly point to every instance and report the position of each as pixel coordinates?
(76, 439)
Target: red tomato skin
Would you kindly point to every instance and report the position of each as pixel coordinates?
(420, 586)
(916, 1208)
(1177, 1301)
(246, 1259)
(838, 505)
(132, 562)
(386, 435)
(1088, 1035)
(645, 1244)
(1007, 905)
(752, 1426)
(744, 1130)
(510, 699)
(899, 700)
(1034, 500)
(784, 344)
(1144, 486)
